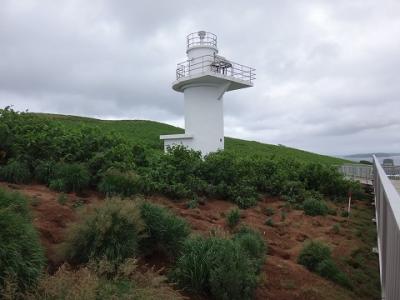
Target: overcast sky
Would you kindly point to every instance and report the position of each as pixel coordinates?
(328, 72)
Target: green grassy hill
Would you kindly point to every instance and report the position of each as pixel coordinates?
(148, 132)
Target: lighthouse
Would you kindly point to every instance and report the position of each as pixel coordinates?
(203, 79)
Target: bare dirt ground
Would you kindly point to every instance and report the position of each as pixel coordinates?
(282, 278)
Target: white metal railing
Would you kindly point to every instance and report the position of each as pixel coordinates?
(357, 171)
(387, 204)
(392, 171)
(201, 38)
(215, 64)
(365, 172)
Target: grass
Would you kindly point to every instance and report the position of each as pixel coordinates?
(362, 265)
(148, 133)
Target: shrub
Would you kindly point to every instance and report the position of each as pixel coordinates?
(16, 172)
(58, 185)
(269, 222)
(243, 195)
(313, 207)
(253, 243)
(44, 171)
(312, 254)
(70, 177)
(165, 231)
(115, 182)
(233, 217)
(111, 230)
(269, 211)
(21, 255)
(192, 203)
(89, 283)
(14, 202)
(216, 266)
(328, 269)
(336, 228)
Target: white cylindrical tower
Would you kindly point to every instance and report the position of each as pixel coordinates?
(204, 78)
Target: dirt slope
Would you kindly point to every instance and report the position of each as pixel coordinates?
(282, 278)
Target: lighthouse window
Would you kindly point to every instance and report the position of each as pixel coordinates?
(220, 140)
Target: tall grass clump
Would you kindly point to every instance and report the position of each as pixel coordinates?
(314, 207)
(117, 183)
(316, 257)
(253, 243)
(165, 231)
(233, 217)
(70, 177)
(218, 267)
(112, 230)
(16, 172)
(21, 255)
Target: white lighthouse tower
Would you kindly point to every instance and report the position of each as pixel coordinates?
(204, 78)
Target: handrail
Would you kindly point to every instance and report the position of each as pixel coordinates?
(357, 171)
(201, 38)
(215, 64)
(387, 205)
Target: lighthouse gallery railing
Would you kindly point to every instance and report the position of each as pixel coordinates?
(387, 204)
(215, 64)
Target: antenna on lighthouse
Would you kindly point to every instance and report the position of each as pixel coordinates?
(202, 35)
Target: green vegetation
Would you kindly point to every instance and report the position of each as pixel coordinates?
(21, 255)
(148, 133)
(315, 207)
(165, 231)
(15, 172)
(362, 265)
(71, 156)
(117, 183)
(233, 217)
(112, 230)
(316, 257)
(95, 282)
(220, 267)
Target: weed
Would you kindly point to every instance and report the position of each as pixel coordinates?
(269, 222)
(336, 228)
(269, 211)
(233, 217)
(313, 207)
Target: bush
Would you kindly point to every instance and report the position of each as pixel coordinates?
(328, 269)
(243, 195)
(269, 222)
(165, 231)
(44, 171)
(312, 254)
(233, 217)
(115, 182)
(72, 177)
(21, 255)
(313, 207)
(216, 266)
(111, 230)
(316, 257)
(253, 243)
(15, 172)
(14, 202)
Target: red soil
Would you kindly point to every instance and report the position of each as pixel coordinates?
(282, 278)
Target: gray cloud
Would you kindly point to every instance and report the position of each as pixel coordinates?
(327, 71)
